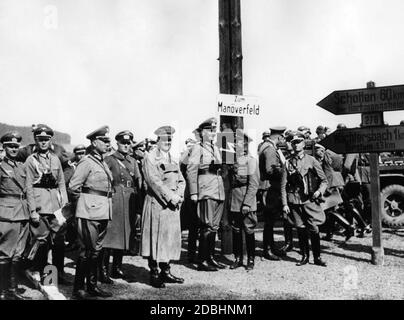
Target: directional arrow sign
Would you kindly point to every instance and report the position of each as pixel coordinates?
(370, 139)
(376, 99)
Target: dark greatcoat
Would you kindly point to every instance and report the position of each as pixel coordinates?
(126, 182)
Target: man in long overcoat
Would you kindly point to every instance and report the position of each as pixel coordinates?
(126, 183)
(161, 225)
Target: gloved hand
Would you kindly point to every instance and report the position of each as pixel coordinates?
(316, 194)
(175, 200)
(35, 218)
(194, 198)
(245, 209)
(286, 211)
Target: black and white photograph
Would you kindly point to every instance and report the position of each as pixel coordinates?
(201, 156)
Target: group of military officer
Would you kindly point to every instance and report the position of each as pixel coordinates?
(103, 197)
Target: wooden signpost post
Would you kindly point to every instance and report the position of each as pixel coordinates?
(231, 82)
(373, 137)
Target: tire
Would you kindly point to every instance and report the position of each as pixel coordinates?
(392, 198)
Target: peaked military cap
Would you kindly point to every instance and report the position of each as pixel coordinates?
(190, 141)
(341, 126)
(164, 131)
(289, 134)
(139, 144)
(208, 124)
(298, 136)
(124, 135)
(42, 130)
(266, 133)
(79, 149)
(277, 130)
(11, 138)
(320, 129)
(99, 133)
(319, 146)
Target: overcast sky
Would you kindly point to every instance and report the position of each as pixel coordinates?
(137, 64)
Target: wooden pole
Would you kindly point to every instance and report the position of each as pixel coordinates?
(377, 247)
(230, 81)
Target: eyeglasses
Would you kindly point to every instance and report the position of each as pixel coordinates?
(12, 146)
(125, 142)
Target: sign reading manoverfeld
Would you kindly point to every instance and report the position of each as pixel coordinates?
(237, 106)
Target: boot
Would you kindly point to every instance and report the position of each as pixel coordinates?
(192, 235)
(155, 279)
(315, 247)
(79, 278)
(269, 243)
(117, 272)
(359, 219)
(166, 275)
(41, 258)
(304, 246)
(288, 231)
(58, 260)
(103, 266)
(211, 251)
(19, 270)
(237, 250)
(204, 253)
(250, 244)
(349, 229)
(92, 288)
(13, 287)
(4, 278)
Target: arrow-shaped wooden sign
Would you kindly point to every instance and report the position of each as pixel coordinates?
(376, 99)
(364, 140)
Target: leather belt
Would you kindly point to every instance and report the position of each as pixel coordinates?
(13, 195)
(239, 185)
(43, 187)
(128, 184)
(207, 171)
(107, 194)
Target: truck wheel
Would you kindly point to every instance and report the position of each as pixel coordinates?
(392, 198)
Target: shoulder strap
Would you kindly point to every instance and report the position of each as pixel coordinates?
(12, 178)
(125, 167)
(102, 166)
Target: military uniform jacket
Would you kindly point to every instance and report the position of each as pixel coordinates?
(334, 178)
(12, 208)
(270, 164)
(47, 199)
(57, 149)
(244, 183)
(204, 172)
(92, 172)
(126, 182)
(263, 184)
(296, 193)
(161, 226)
